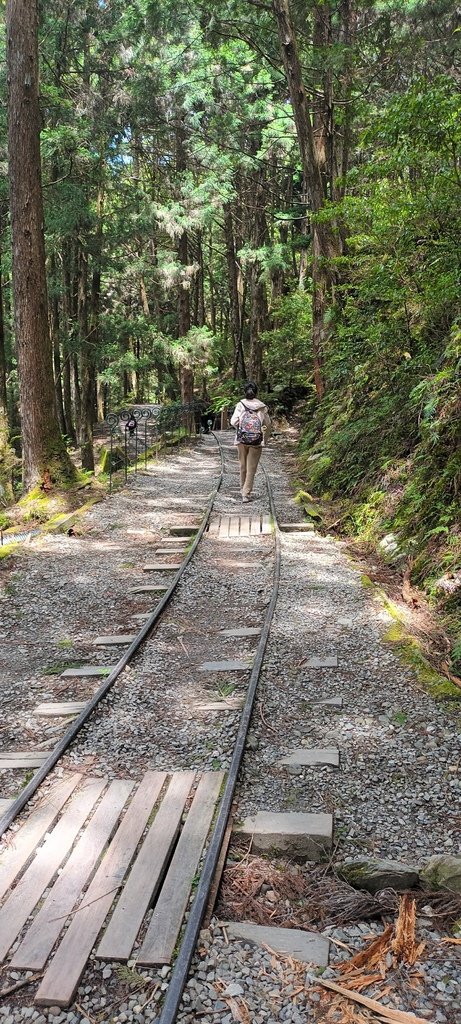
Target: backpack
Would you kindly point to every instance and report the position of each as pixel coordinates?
(249, 430)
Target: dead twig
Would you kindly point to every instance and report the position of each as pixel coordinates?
(20, 984)
(85, 905)
(264, 720)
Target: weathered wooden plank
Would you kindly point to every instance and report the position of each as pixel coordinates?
(234, 526)
(224, 526)
(266, 525)
(63, 975)
(23, 758)
(245, 526)
(40, 939)
(165, 924)
(213, 528)
(59, 710)
(147, 872)
(49, 856)
(5, 803)
(22, 843)
(255, 525)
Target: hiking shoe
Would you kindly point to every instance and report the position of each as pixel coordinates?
(245, 499)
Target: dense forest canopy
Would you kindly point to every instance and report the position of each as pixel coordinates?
(267, 190)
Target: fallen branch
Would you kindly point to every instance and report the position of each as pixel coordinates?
(386, 1013)
(20, 984)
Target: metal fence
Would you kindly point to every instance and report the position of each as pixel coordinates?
(140, 430)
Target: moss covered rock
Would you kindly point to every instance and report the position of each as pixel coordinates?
(117, 459)
(308, 506)
(374, 875)
(443, 872)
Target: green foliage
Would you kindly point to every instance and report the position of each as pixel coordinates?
(387, 431)
(287, 346)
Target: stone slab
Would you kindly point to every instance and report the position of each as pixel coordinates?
(296, 527)
(241, 631)
(162, 567)
(313, 756)
(150, 588)
(87, 671)
(172, 542)
(227, 704)
(113, 641)
(297, 833)
(231, 563)
(333, 702)
(225, 666)
(309, 947)
(322, 661)
(5, 804)
(170, 551)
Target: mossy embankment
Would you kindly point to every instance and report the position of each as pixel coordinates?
(387, 473)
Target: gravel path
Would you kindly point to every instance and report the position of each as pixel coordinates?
(396, 795)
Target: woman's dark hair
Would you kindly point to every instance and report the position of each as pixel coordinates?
(251, 389)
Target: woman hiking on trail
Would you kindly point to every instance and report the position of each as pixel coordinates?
(253, 424)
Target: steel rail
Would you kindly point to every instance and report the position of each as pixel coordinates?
(192, 930)
(16, 807)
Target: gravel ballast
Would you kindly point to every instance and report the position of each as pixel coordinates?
(395, 796)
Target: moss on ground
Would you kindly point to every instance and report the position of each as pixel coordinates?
(410, 652)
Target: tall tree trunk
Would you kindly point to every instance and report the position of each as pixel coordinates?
(95, 301)
(200, 283)
(257, 287)
(325, 241)
(347, 35)
(67, 357)
(45, 458)
(6, 454)
(211, 283)
(183, 289)
(3, 391)
(77, 394)
(86, 366)
(238, 367)
(258, 315)
(55, 341)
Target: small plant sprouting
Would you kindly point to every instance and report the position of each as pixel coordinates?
(226, 690)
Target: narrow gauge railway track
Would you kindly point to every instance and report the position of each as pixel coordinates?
(221, 524)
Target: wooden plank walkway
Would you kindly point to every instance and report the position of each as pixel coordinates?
(222, 526)
(91, 846)
(24, 842)
(162, 933)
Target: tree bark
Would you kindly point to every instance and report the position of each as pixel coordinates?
(183, 290)
(55, 341)
(325, 241)
(67, 356)
(87, 373)
(3, 391)
(45, 459)
(238, 368)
